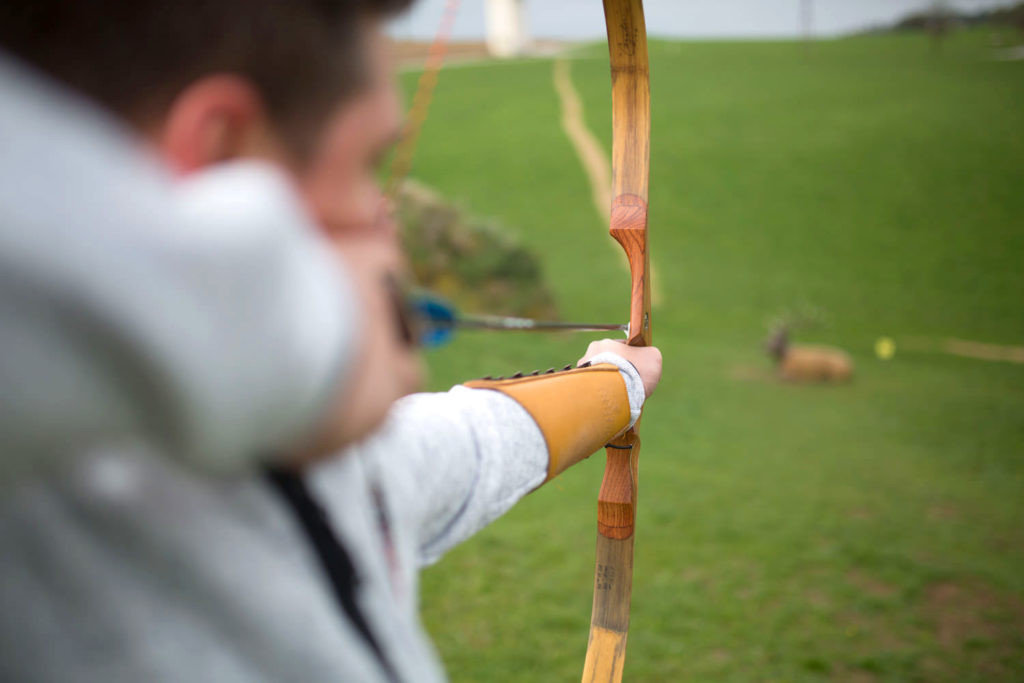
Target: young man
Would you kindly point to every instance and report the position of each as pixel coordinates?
(121, 314)
(127, 565)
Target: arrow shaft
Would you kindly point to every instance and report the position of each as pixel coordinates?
(498, 322)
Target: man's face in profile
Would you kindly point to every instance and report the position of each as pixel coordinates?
(340, 181)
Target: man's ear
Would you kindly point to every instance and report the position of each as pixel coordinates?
(214, 119)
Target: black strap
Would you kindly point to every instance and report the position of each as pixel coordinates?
(334, 559)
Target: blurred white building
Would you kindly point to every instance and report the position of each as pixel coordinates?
(506, 28)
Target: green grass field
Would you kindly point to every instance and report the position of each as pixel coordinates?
(866, 532)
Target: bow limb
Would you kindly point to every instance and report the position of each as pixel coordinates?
(616, 506)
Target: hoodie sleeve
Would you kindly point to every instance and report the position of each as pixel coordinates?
(451, 463)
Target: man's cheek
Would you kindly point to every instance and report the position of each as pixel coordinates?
(330, 217)
(326, 207)
(369, 209)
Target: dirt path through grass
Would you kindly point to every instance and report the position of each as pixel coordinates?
(588, 149)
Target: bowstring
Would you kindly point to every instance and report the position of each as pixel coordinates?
(401, 164)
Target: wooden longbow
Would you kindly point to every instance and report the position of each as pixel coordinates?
(631, 129)
(616, 502)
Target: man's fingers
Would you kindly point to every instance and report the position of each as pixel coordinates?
(597, 347)
(646, 359)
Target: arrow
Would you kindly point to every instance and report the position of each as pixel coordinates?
(436, 320)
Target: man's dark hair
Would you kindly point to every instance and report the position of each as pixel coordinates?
(135, 56)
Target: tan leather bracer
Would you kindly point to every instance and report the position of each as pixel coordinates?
(578, 410)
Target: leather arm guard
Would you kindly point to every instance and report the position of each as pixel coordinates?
(578, 410)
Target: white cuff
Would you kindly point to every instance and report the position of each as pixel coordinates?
(634, 385)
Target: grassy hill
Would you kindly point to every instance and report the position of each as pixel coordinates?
(867, 532)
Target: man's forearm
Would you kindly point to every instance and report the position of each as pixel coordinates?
(577, 410)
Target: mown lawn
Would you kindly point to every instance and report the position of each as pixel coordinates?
(867, 532)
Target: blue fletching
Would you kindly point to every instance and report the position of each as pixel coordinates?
(435, 319)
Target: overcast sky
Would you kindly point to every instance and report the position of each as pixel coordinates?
(583, 19)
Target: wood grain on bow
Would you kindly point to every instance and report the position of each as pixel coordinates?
(616, 506)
